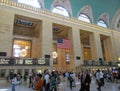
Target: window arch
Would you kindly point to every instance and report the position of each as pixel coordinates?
(84, 17)
(33, 3)
(60, 10)
(115, 24)
(102, 23)
(103, 20)
(85, 14)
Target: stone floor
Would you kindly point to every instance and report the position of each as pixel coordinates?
(4, 86)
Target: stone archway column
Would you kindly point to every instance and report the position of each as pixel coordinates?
(96, 48)
(46, 40)
(77, 49)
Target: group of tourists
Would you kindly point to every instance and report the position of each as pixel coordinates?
(37, 81)
(106, 76)
(50, 81)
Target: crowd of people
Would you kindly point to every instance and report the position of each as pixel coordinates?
(49, 81)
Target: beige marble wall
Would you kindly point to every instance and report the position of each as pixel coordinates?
(6, 30)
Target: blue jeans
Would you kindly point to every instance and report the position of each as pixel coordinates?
(13, 87)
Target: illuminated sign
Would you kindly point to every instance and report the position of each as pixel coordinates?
(4, 61)
(19, 61)
(28, 61)
(41, 61)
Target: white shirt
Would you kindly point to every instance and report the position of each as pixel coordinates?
(14, 80)
(46, 78)
(101, 75)
(98, 76)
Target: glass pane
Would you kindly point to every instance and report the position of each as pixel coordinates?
(60, 10)
(84, 17)
(33, 3)
(102, 23)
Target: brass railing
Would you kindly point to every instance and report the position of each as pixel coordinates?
(99, 63)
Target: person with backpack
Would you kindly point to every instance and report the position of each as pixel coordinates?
(53, 81)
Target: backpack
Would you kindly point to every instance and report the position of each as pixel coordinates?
(71, 79)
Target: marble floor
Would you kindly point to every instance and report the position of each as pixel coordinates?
(5, 86)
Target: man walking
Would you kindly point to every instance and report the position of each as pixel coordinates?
(98, 79)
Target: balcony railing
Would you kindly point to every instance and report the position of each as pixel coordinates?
(99, 63)
(24, 62)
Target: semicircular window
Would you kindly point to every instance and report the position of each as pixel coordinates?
(102, 23)
(33, 3)
(84, 17)
(60, 10)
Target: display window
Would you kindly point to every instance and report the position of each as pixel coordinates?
(22, 48)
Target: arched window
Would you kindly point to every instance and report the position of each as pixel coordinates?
(102, 23)
(33, 3)
(60, 10)
(84, 17)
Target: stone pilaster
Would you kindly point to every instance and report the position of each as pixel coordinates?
(98, 47)
(77, 46)
(47, 39)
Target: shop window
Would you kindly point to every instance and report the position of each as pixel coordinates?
(22, 48)
(60, 10)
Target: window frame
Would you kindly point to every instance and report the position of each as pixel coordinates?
(87, 17)
(101, 21)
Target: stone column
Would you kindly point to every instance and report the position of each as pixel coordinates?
(93, 46)
(6, 72)
(23, 72)
(77, 46)
(96, 48)
(108, 47)
(15, 71)
(47, 39)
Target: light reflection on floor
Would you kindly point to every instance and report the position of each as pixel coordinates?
(3, 89)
